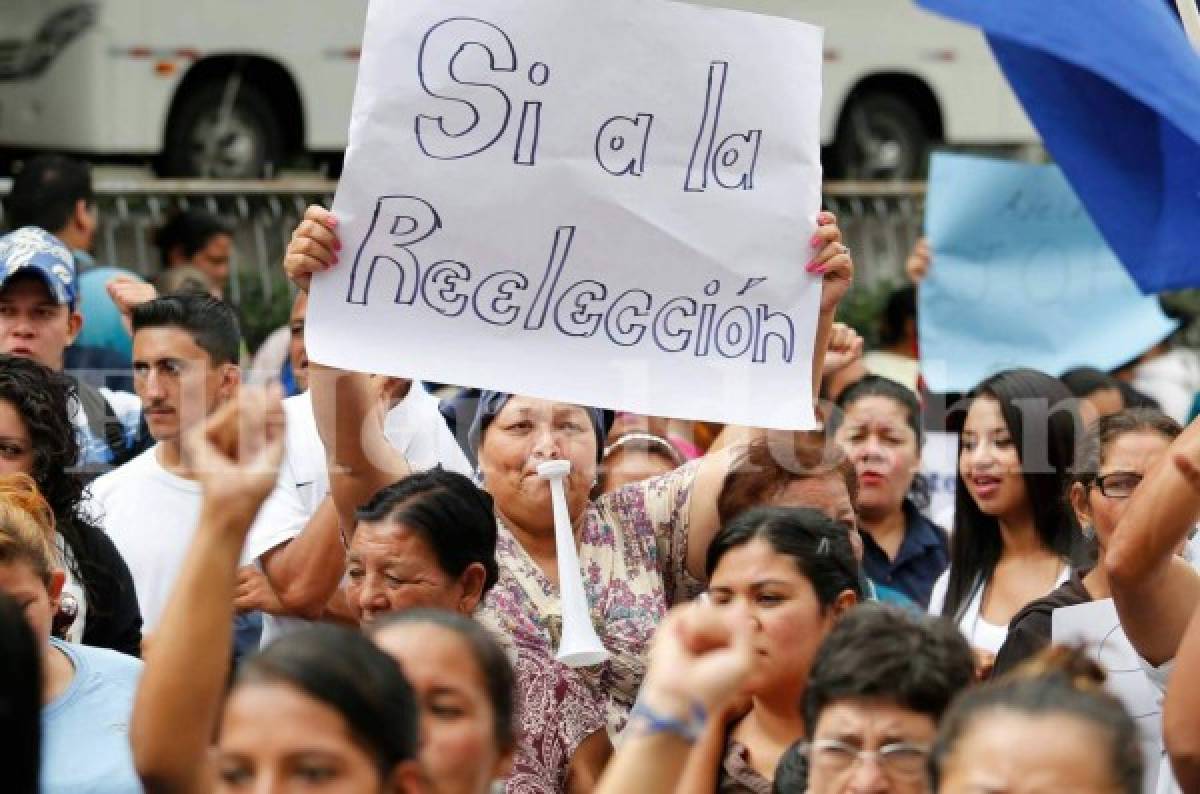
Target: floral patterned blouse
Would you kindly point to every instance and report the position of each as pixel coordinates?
(632, 549)
(737, 775)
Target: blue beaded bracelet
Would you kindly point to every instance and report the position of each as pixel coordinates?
(649, 722)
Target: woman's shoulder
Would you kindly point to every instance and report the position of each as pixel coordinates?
(1032, 628)
(1070, 593)
(108, 668)
(644, 500)
(937, 598)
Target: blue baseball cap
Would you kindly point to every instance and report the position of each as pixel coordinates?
(35, 250)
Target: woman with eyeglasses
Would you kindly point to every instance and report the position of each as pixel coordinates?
(1156, 592)
(1114, 455)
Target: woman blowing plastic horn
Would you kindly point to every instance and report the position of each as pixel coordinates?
(644, 547)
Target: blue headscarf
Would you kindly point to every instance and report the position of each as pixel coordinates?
(492, 403)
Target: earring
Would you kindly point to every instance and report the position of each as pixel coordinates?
(1089, 532)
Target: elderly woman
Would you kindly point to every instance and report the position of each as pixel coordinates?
(641, 549)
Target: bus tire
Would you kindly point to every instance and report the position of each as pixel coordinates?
(881, 137)
(249, 146)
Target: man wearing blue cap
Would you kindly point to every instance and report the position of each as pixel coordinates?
(39, 319)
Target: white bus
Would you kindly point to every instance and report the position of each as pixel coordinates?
(239, 88)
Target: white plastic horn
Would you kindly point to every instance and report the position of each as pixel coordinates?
(579, 645)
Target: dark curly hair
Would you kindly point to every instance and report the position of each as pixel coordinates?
(43, 399)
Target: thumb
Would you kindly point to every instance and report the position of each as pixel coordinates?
(1188, 468)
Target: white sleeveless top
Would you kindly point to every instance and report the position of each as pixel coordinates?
(980, 634)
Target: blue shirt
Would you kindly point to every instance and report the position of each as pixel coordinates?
(102, 325)
(85, 730)
(924, 554)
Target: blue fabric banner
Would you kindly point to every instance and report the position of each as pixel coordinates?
(1113, 86)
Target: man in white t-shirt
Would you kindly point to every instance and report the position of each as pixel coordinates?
(302, 552)
(185, 354)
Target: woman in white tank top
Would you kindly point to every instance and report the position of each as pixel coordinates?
(1014, 535)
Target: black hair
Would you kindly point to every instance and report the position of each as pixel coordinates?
(1046, 451)
(189, 231)
(818, 545)
(489, 657)
(1060, 681)
(43, 399)
(454, 517)
(791, 773)
(900, 309)
(1132, 398)
(20, 700)
(879, 386)
(347, 672)
(45, 192)
(886, 653)
(1086, 381)
(211, 322)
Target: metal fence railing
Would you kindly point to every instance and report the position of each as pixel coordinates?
(263, 214)
(881, 221)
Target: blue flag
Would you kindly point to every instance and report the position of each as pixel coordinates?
(1113, 86)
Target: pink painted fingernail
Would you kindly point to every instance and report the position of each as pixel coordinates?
(820, 270)
(816, 241)
(337, 245)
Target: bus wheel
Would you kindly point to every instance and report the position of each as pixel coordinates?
(222, 129)
(881, 137)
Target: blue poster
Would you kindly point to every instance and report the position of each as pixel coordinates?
(1113, 86)
(1021, 278)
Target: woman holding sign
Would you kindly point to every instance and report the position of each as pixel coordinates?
(643, 548)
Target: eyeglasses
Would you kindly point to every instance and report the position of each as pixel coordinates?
(1119, 484)
(904, 760)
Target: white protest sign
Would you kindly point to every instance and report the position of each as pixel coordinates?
(606, 203)
(939, 465)
(1097, 627)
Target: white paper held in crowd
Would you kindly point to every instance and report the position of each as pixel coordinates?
(1097, 627)
(590, 202)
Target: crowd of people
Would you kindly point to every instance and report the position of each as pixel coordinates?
(279, 576)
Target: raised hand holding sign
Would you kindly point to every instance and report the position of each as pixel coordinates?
(584, 202)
